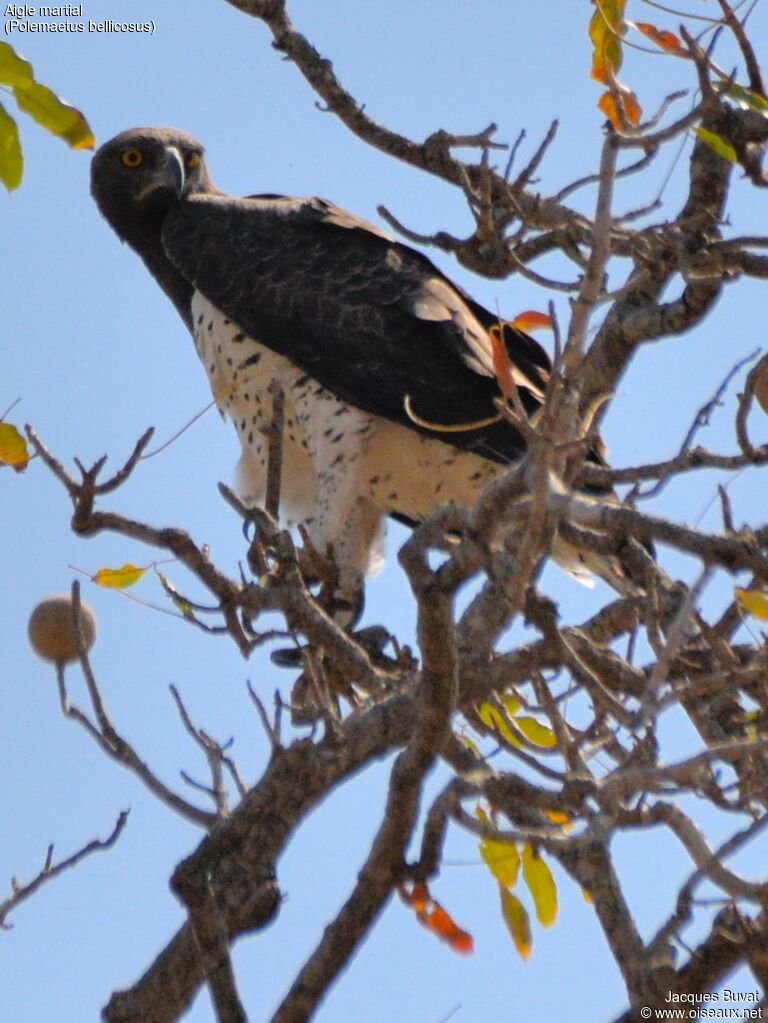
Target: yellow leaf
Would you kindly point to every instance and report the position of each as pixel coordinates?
(587, 897)
(119, 578)
(61, 119)
(497, 722)
(511, 704)
(541, 885)
(536, 732)
(753, 721)
(533, 730)
(720, 146)
(470, 743)
(11, 160)
(502, 859)
(13, 447)
(531, 320)
(605, 28)
(14, 70)
(518, 924)
(753, 602)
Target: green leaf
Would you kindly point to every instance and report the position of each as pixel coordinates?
(517, 921)
(541, 885)
(746, 99)
(181, 602)
(14, 70)
(11, 160)
(62, 120)
(720, 146)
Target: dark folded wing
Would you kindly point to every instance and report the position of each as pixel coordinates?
(372, 320)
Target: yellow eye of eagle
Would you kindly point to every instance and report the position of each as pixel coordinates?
(193, 161)
(132, 157)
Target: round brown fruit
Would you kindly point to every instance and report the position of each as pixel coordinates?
(51, 629)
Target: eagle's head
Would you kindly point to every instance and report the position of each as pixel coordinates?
(141, 173)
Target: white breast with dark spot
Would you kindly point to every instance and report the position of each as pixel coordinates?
(343, 469)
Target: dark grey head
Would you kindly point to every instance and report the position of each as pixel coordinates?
(136, 178)
(142, 172)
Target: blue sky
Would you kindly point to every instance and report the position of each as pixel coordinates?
(96, 353)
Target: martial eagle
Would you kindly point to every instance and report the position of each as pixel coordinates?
(370, 341)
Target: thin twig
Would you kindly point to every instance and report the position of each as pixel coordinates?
(50, 870)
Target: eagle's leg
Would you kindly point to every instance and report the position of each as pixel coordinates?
(344, 526)
(350, 535)
(348, 530)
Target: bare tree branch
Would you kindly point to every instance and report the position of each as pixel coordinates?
(50, 870)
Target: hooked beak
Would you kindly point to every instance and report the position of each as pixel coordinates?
(175, 172)
(171, 176)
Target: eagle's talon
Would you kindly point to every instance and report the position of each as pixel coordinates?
(288, 657)
(372, 638)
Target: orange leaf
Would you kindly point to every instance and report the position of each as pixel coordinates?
(502, 364)
(632, 109)
(13, 447)
(666, 40)
(558, 817)
(432, 916)
(418, 896)
(446, 928)
(531, 320)
(118, 578)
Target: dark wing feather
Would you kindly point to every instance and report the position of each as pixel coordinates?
(371, 319)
